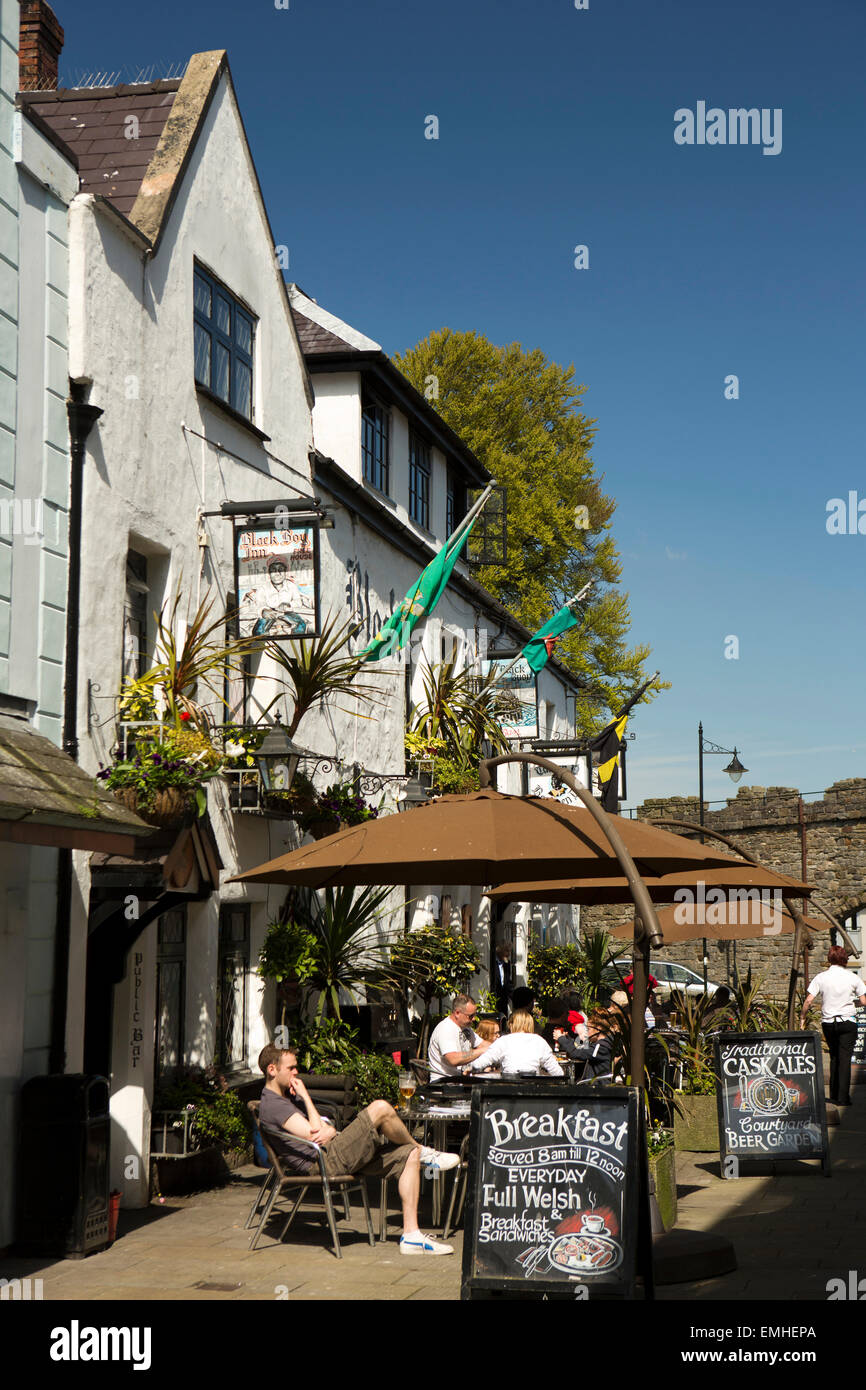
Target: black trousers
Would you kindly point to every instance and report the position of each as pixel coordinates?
(840, 1042)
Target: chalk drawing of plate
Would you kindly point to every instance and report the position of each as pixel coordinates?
(584, 1254)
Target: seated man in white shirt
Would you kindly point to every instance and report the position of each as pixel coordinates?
(454, 1042)
(522, 1050)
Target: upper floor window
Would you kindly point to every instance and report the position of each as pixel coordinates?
(419, 481)
(455, 503)
(223, 343)
(375, 444)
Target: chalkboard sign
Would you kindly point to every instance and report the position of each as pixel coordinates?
(860, 1040)
(770, 1094)
(557, 1198)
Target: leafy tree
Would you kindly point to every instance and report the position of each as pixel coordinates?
(520, 413)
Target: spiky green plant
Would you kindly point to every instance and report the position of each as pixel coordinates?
(326, 944)
(461, 709)
(193, 655)
(319, 669)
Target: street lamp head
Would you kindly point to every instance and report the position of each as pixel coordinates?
(277, 759)
(413, 795)
(735, 768)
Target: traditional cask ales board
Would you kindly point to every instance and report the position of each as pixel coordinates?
(557, 1200)
(770, 1094)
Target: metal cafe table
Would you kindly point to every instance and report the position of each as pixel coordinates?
(438, 1107)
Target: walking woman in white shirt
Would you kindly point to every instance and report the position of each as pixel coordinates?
(521, 1050)
(838, 989)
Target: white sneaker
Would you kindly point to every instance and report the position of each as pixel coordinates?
(441, 1162)
(424, 1245)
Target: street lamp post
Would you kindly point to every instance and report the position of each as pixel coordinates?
(735, 771)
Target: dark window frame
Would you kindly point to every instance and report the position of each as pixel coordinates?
(232, 951)
(376, 430)
(420, 471)
(239, 357)
(456, 501)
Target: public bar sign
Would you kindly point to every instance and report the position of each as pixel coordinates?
(770, 1095)
(557, 1192)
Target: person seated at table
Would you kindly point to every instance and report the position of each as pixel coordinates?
(602, 1026)
(557, 1032)
(454, 1041)
(652, 985)
(489, 1029)
(376, 1143)
(521, 1050)
(718, 1001)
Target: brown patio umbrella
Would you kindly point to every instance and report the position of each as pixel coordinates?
(476, 839)
(743, 920)
(661, 887)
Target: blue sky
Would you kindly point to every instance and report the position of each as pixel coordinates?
(555, 130)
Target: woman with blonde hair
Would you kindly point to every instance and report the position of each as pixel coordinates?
(488, 1029)
(522, 1050)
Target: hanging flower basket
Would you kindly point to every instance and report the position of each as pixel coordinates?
(171, 808)
(319, 829)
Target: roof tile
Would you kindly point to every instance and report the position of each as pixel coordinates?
(94, 124)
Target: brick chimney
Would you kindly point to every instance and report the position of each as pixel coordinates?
(40, 42)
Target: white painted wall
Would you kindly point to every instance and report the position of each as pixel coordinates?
(35, 183)
(131, 333)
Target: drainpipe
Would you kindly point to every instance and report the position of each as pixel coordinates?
(82, 418)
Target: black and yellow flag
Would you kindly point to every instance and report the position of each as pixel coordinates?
(608, 744)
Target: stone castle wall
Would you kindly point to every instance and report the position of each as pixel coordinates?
(765, 822)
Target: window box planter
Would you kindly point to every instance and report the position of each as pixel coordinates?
(696, 1130)
(664, 1174)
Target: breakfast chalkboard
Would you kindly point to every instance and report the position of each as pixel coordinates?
(770, 1095)
(557, 1197)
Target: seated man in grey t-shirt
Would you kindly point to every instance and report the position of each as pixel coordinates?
(454, 1042)
(376, 1143)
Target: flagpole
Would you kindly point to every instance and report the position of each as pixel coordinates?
(457, 537)
(577, 598)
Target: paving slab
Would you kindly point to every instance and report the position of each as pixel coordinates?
(792, 1232)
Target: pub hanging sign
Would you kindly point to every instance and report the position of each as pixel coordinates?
(277, 578)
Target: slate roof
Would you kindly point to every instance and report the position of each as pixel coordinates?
(112, 151)
(314, 339)
(41, 786)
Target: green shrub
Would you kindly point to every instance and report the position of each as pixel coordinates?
(330, 1048)
(553, 970)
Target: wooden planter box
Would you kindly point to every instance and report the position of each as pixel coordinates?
(663, 1168)
(196, 1172)
(696, 1130)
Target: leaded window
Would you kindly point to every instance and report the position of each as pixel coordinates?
(419, 481)
(224, 332)
(376, 444)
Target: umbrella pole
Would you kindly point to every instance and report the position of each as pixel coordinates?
(640, 972)
(648, 934)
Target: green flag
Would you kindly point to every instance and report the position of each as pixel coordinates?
(539, 648)
(426, 592)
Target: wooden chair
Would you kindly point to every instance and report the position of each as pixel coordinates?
(297, 1184)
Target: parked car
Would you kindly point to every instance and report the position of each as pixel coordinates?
(670, 975)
